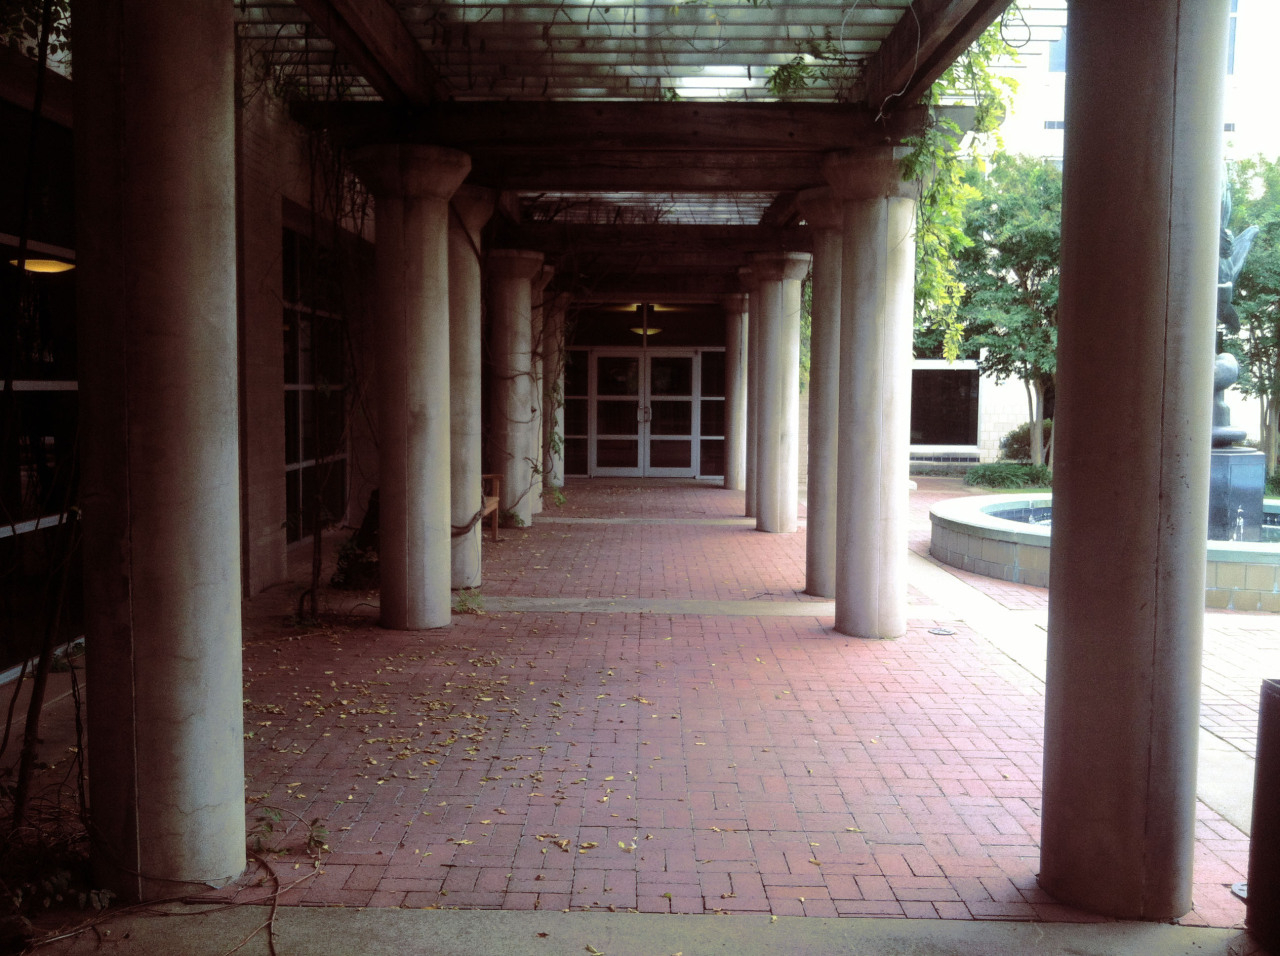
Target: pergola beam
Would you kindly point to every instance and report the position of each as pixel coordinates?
(561, 127)
(922, 45)
(372, 36)
(700, 245)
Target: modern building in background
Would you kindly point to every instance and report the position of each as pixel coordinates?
(959, 415)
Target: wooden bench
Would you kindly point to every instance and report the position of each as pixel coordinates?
(492, 490)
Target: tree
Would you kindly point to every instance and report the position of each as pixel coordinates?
(1010, 274)
(1255, 193)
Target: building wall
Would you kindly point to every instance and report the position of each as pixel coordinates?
(275, 190)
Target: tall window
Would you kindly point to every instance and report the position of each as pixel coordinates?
(315, 389)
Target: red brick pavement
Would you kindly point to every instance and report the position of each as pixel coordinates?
(663, 763)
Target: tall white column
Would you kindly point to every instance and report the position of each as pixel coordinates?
(778, 277)
(512, 406)
(877, 288)
(747, 277)
(470, 209)
(411, 187)
(825, 221)
(1132, 434)
(553, 337)
(735, 392)
(159, 495)
(538, 430)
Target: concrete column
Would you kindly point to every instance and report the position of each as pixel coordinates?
(537, 431)
(1132, 435)
(512, 406)
(825, 220)
(778, 277)
(411, 187)
(735, 392)
(159, 494)
(553, 337)
(877, 287)
(470, 209)
(747, 276)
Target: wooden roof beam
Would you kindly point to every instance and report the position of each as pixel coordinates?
(372, 36)
(922, 46)
(567, 126)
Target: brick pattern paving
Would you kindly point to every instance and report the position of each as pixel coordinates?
(662, 763)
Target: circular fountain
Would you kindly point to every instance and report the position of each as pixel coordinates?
(1007, 537)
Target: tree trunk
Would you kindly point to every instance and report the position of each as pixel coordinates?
(1035, 407)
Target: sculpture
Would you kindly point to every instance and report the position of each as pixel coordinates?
(1232, 251)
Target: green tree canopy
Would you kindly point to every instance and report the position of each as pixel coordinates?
(1010, 273)
(1255, 194)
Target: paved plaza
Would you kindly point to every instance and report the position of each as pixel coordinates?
(649, 715)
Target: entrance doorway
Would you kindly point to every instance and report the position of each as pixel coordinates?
(645, 413)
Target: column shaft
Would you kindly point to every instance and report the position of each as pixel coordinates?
(822, 214)
(513, 407)
(735, 392)
(877, 288)
(753, 388)
(778, 424)
(469, 211)
(553, 391)
(1135, 358)
(160, 487)
(412, 186)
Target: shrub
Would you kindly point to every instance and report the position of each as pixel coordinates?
(1016, 446)
(1273, 486)
(1008, 474)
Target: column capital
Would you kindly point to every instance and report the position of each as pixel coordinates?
(868, 174)
(820, 208)
(735, 303)
(777, 266)
(747, 277)
(513, 263)
(418, 172)
(473, 205)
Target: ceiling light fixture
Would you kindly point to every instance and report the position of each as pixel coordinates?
(43, 265)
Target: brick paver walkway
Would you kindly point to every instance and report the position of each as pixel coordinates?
(658, 762)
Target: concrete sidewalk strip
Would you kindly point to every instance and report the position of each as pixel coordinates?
(740, 608)
(333, 931)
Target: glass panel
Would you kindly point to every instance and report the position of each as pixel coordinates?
(330, 360)
(712, 417)
(37, 463)
(290, 347)
(944, 407)
(617, 453)
(333, 491)
(304, 351)
(617, 418)
(292, 507)
(575, 456)
(712, 455)
(713, 374)
(308, 402)
(575, 416)
(671, 418)
(670, 375)
(332, 407)
(575, 372)
(290, 428)
(617, 375)
(670, 454)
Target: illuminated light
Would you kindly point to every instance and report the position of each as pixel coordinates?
(43, 265)
(643, 331)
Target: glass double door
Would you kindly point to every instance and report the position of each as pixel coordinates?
(645, 412)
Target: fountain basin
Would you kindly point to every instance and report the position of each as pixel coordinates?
(1000, 536)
